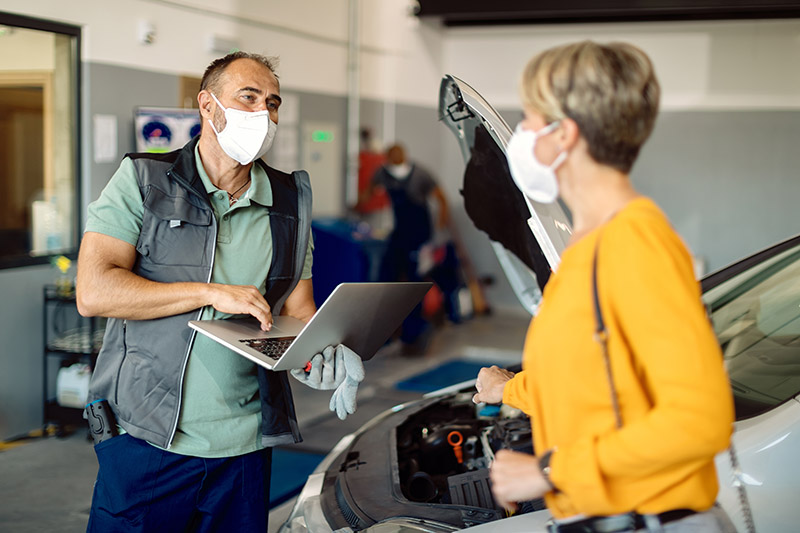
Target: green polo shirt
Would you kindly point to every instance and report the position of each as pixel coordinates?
(221, 407)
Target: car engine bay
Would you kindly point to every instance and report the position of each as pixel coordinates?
(429, 460)
(444, 452)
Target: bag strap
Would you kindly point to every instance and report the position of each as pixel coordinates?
(601, 336)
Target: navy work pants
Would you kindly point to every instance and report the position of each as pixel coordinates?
(146, 489)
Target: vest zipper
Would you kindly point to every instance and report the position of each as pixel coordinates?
(124, 356)
(191, 339)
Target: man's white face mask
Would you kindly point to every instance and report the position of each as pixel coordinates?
(537, 181)
(400, 172)
(247, 135)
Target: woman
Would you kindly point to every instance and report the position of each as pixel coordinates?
(588, 110)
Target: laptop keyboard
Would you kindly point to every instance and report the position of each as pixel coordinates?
(272, 348)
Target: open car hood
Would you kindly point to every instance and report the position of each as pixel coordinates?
(529, 237)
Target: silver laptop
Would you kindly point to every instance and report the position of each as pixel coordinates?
(361, 316)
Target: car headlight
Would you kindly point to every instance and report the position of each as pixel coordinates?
(307, 515)
(307, 512)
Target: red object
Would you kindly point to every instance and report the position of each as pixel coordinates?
(308, 367)
(432, 302)
(368, 164)
(454, 439)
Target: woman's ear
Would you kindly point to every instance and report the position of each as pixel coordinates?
(568, 134)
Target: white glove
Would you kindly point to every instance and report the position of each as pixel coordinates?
(325, 373)
(343, 401)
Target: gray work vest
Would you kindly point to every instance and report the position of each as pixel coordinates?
(141, 365)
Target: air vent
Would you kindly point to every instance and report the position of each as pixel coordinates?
(347, 512)
(472, 489)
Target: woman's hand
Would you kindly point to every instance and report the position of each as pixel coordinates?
(490, 384)
(516, 477)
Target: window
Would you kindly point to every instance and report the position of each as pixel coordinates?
(39, 138)
(757, 320)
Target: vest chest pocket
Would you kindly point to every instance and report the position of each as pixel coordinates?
(174, 231)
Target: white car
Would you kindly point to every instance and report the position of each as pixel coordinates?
(398, 473)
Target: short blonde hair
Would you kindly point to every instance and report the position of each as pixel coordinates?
(610, 91)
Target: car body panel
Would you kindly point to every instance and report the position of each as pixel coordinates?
(524, 523)
(768, 450)
(489, 189)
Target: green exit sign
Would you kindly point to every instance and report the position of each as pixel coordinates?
(321, 136)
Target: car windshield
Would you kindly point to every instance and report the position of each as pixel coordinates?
(756, 316)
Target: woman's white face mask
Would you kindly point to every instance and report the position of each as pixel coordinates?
(247, 135)
(536, 180)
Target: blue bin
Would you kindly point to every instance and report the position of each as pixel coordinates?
(342, 253)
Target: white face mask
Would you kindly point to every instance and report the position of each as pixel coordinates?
(400, 172)
(247, 135)
(537, 181)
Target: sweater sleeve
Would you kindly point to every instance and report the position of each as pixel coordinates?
(517, 392)
(649, 294)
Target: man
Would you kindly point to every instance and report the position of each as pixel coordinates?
(208, 231)
(409, 188)
(370, 160)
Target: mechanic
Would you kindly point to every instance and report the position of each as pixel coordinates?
(207, 231)
(633, 451)
(409, 187)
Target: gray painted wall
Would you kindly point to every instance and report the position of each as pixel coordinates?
(727, 180)
(324, 109)
(22, 351)
(113, 90)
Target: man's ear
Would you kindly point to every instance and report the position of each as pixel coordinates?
(569, 133)
(206, 104)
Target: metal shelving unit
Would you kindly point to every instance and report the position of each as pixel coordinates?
(68, 339)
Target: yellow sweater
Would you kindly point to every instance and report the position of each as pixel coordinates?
(674, 395)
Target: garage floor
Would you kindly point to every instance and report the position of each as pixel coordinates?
(46, 483)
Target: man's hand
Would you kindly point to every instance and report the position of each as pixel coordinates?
(241, 299)
(343, 401)
(490, 384)
(516, 477)
(337, 368)
(327, 371)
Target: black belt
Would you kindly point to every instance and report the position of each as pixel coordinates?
(616, 523)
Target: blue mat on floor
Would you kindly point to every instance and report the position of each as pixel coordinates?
(290, 469)
(444, 375)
